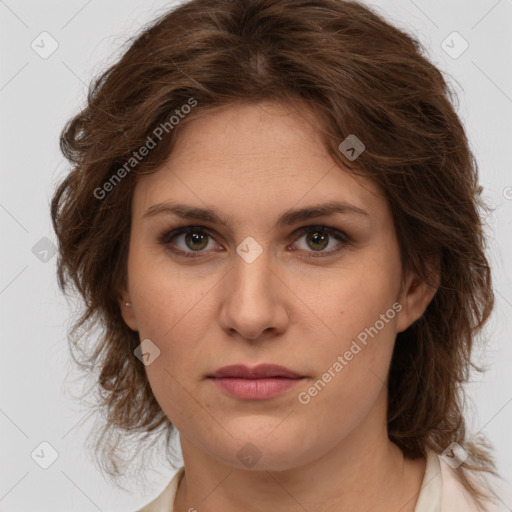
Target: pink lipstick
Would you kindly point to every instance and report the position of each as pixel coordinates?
(259, 383)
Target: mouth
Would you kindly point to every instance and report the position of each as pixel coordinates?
(261, 371)
(259, 383)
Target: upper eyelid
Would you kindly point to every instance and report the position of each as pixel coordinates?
(210, 231)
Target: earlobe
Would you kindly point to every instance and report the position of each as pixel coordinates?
(127, 311)
(415, 299)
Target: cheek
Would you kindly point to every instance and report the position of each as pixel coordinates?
(180, 404)
(357, 360)
(348, 300)
(161, 292)
(353, 356)
(351, 380)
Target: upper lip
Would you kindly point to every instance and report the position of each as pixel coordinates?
(257, 372)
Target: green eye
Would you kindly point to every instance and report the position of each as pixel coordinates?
(196, 240)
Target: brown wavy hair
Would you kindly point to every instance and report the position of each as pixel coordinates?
(341, 64)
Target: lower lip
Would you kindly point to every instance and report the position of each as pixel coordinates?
(255, 389)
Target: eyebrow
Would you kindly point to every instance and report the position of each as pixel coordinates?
(287, 218)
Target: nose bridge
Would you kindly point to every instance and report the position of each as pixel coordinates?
(251, 266)
(251, 300)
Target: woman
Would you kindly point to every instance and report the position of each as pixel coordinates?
(273, 214)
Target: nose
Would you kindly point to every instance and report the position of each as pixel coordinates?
(254, 299)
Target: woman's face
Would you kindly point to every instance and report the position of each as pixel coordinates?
(318, 295)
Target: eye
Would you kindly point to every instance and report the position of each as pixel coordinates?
(197, 239)
(319, 237)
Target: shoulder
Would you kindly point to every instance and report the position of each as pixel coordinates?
(164, 502)
(454, 494)
(443, 491)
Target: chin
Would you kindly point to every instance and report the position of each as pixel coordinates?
(257, 445)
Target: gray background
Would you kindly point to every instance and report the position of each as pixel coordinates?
(37, 95)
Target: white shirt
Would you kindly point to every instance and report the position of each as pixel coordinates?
(440, 491)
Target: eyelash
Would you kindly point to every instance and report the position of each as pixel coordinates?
(166, 237)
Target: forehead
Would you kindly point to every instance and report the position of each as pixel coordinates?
(253, 158)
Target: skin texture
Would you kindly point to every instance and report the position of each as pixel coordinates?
(290, 306)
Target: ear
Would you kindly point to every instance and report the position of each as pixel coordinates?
(415, 298)
(127, 311)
